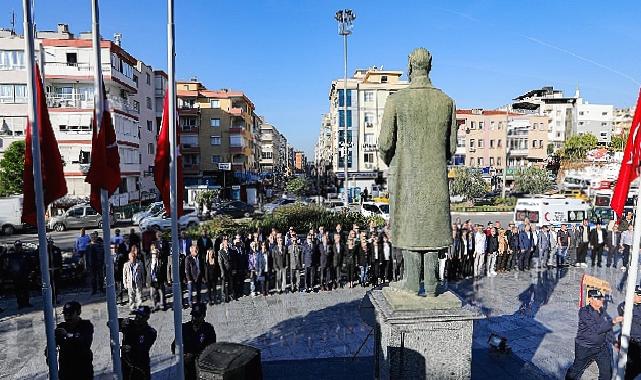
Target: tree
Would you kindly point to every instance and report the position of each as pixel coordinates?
(577, 146)
(206, 197)
(297, 185)
(532, 180)
(12, 168)
(618, 143)
(468, 183)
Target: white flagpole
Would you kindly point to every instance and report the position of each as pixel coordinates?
(52, 356)
(633, 269)
(173, 188)
(112, 310)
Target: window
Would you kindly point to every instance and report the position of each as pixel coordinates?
(151, 149)
(72, 59)
(341, 134)
(472, 124)
(481, 143)
(214, 103)
(136, 106)
(148, 79)
(215, 140)
(498, 161)
(341, 97)
(135, 78)
(471, 143)
(149, 103)
(479, 161)
(215, 159)
(581, 113)
(12, 60)
(498, 143)
(341, 119)
(150, 125)
(214, 122)
(491, 144)
(383, 78)
(7, 93)
(491, 161)
(604, 114)
(369, 138)
(368, 96)
(540, 144)
(480, 125)
(369, 158)
(533, 143)
(368, 118)
(236, 141)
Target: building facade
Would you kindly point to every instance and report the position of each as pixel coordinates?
(300, 162)
(367, 92)
(482, 137)
(273, 146)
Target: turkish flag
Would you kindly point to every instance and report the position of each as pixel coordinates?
(104, 172)
(54, 185)
(163, 158)
(630, 164)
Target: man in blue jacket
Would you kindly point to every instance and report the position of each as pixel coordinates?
(593, 338)
(525, 246)
(309, 248)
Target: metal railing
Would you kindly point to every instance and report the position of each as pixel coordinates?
(86, 101)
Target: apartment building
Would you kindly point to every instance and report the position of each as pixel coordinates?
(300, 161)
(622, 121)
(567, 115)
(273, 146)
(216, 126)
(365, 96)
(482, 137)
(69, 73)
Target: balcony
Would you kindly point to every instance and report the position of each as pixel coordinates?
(191, 168)
(84, 101)
(73, 69)
(185, 148)
(237, 111)
(188, 129)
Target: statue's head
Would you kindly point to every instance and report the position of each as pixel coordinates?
(420, 63)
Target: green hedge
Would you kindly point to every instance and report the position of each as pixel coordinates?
(463, 208)
(305, 217)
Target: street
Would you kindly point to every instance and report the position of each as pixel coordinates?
(64, 240)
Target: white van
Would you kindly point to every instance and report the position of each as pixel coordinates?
(551, 210)
(10, 215)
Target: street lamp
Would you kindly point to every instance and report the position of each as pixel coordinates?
(345, 18)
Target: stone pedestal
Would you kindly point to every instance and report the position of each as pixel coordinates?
(422, 337)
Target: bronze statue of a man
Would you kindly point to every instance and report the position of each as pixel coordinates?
(418, 137)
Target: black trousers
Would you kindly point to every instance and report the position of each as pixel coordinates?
(597, 252)
(309, 277)
(581, 252)
(633, 366)
(626, 254)
(225, 282)
(97, 279)
(21, 288)
(612, 256)
(583, 357)
(325, 276)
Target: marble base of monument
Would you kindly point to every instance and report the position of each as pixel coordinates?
(422, 337)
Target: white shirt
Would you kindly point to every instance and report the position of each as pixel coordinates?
(479, 242)
(386, 251)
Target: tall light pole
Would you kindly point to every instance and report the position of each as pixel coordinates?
(345, 18)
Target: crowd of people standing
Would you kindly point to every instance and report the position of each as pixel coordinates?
(479, 251)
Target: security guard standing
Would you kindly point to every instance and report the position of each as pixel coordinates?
(73, 338)
(593, 338)
(633, 366)
(137, 339)
(197, 334)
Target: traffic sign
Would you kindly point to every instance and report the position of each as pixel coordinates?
(224, 166)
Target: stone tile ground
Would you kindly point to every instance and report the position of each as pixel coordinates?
(317, 335)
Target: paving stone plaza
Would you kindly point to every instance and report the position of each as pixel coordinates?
(324, 335)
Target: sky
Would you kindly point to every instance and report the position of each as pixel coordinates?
(284, 53)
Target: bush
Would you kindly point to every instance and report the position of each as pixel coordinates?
(505, 201)
(219, 225)
(305, 217)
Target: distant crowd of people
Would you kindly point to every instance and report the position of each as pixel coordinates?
(479, 251)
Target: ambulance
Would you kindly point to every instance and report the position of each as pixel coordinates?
(551, 210)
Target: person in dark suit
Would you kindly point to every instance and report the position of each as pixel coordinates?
(224, 264)
(193, 274)
(74, 337)
(326, 253)
(598, 240)
(279, 254)
(309, 248)
(612, 242)
(364, 257)
(96, 263)
(338, 250)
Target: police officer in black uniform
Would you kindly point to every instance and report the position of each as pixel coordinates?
(19, 270)
(197, 334)
(593, 338)
(633, 366)
(73, 338)
(55, 267)
(137, 339)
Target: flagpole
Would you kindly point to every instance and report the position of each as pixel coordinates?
(173, 188)
(112, 310)
(633, 268)
(52, 357)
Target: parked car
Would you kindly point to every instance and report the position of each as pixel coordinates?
(484, 201)
(335, 205)
(235, 209)
(72, 268)
(270, 207)
(162, 222)
(79, 216)
(153, 209)
(10, 214)
(374, 208)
